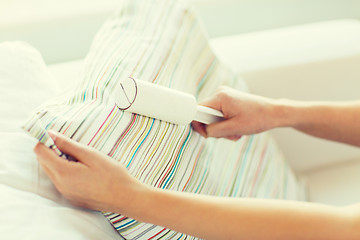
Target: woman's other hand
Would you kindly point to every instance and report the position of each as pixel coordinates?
(95, 181)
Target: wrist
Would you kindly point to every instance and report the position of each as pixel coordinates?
(131, 198)
(154, 206)
(286, 113)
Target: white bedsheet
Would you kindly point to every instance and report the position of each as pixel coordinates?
(30, 204)
(25, 214)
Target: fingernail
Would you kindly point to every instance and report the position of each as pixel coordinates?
(52, 134)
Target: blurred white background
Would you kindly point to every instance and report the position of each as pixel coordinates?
(56, 26)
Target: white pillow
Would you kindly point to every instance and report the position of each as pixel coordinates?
(24, 83)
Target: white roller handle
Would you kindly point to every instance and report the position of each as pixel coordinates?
(208, 115)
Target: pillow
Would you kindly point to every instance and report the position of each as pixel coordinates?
(22, 65)
(162, 42)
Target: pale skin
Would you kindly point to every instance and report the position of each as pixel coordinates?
(98, 182)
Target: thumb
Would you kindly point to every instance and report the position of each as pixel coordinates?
(69, 146)
(224, 128)
(212, 102)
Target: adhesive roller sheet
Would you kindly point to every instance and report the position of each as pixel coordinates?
(162, 103)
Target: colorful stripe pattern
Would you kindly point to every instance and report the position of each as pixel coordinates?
(161, 41)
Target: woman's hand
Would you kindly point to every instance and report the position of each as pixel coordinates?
(247, 114)
(95, 181)
(244, 114)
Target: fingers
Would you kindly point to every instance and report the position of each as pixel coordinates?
(218, 100)
(221, 129)
(51, 162)
(43, 152)
(212, 102)
(225, 102)
(70, 147)
(200, 128)
(215, 131)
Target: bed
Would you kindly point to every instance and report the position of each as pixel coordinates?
(30, 205)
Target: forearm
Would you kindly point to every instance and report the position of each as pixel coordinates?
(337, 121)
(233, 218)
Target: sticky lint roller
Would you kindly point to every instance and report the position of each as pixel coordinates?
(162, 103)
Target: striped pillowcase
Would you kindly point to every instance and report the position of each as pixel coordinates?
(161, 41)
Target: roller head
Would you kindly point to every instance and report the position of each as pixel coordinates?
(155, 101)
